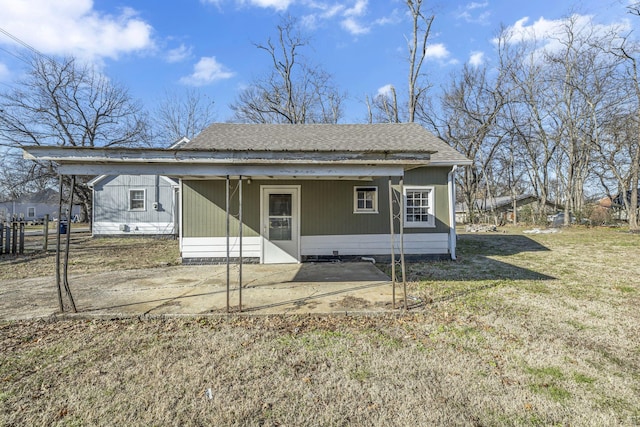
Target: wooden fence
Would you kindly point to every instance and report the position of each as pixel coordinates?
(12, 237)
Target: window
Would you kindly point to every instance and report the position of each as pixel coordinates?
(418, 207)
(136, 200)
(31, 212)
(365, 199)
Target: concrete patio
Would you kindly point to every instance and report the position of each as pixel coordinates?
(198, 290)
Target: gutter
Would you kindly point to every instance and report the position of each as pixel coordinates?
(452, 212)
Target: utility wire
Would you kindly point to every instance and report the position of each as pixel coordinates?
(22, 43)
(15, 55)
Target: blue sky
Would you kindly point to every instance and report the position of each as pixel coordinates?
(154, 46)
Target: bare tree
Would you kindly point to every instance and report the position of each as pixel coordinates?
(471, 106)
(181, 115)
(386, 107)
(69, 104)
(294, 91)
(417, 45)
(383, 108)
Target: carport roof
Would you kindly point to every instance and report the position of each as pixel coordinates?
(255, 149)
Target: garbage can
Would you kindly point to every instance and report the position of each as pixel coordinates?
(63, 227)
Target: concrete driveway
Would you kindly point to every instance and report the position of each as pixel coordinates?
(197, 290)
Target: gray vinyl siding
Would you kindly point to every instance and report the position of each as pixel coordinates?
(326, 207)
(111, 199)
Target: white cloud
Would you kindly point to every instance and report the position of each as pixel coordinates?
(474, 13)
(549, 34)
(393, 18)
(358, 9)
(179, 54)
(385, 91)
(352, 26)
(208, 70)
(476, 59)
(279, 5)
(352, 15)
(437, 51)
(74, 27)
(4, 72)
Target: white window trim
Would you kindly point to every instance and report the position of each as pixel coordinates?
(432, 207)
(144, 200)
(355, 200)
(34, 212)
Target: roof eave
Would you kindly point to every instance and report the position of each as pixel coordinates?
(84, 155)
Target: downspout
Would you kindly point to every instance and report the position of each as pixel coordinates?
(452, 212)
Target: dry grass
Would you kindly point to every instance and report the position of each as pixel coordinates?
(89, 255)
(537, 330)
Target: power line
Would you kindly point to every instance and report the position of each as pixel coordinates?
(15, 55)
(22, 43)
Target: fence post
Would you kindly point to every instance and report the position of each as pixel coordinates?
(7, 240)
(45, 233)
(1, 237)
(21, 243)
(14, 235)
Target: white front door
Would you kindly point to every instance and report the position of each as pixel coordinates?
(280, 224)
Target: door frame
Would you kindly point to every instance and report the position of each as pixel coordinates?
(294, 189)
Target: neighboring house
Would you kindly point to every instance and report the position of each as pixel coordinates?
(308, 191)
(33, 207)
(502, 207)
(615, 205)
(134, 205)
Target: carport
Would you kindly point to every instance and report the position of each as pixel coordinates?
(236, 170)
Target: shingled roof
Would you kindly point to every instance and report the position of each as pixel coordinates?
(382, 137)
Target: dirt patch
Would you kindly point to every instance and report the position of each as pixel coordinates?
(350, 302)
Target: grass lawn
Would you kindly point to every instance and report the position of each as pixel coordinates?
(521, 330)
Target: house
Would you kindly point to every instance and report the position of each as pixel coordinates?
(502, 207)
(614, 206)
(290, 193)
(34, 206)
(125, 205)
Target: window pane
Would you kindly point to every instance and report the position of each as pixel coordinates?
(417, 207)
(137, 199)
(366, 199)
(279, 204)
(279, 228)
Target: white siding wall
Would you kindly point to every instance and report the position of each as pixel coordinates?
(358, 244)
(216, 247)
(153, 228)
(375, 244)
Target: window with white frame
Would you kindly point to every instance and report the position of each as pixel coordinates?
(31, 212)
(136, 200)
(365, 199)
(419, 207)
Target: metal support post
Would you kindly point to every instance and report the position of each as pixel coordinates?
(58, 284)
(228, 248)
(396, 216)
(393, 245)
(68, 242)
(401, 203)
(240, 243)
